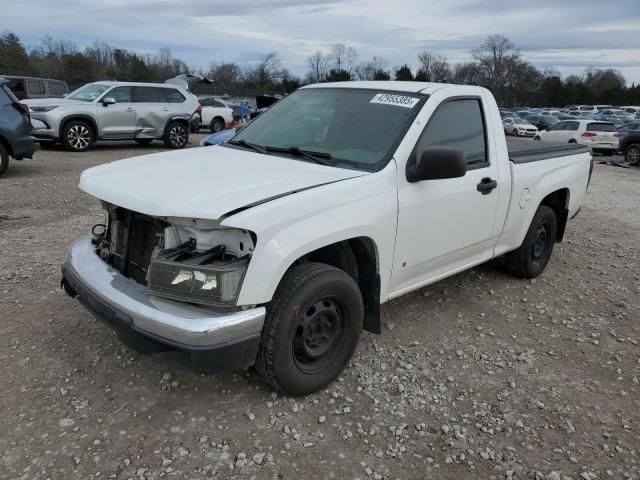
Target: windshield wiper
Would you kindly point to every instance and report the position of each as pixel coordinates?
(317, 157)
(252, 146)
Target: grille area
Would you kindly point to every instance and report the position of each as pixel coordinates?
(130, 241)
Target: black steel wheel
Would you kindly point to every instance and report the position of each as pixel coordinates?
(312, 328)
(532, 257)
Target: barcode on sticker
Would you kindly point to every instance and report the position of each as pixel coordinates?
(397, 100)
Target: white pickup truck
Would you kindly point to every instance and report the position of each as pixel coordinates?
(278, 247)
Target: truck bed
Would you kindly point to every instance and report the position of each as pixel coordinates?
(525, 150)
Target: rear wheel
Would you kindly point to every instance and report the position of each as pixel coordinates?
(572, 141)
(312, 328)
(77, 136)
(4, 160)
(532, 257)
(176, 135)
(217, 125)
(632, 154)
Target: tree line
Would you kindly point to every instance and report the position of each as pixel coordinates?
(496, 64)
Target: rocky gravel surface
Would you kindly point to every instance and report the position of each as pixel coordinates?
(478, 376)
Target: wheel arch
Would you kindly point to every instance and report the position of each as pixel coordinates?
(358, 257)
(558, 201)
(86, 118)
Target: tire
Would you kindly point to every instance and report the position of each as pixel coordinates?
(176, 135)
(4, 160)
(537, 138)
(217, 125)
(572, 141)
(311, 330)
(143, 141)
(77, 136)
(515, 132)
(532, 257)
(632, 154)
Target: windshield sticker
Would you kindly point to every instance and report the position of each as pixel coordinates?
(397, 100)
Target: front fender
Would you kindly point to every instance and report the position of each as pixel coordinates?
(290, 227)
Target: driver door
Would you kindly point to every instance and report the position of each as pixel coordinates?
(117, 120)
(445, 225)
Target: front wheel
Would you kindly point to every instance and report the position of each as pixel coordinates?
(532, 257)
(537, 138)
(312, 328)
(77, 136)
(176, 135)
(515, 132)
(632, 155)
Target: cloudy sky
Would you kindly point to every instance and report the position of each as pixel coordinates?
(566, 34)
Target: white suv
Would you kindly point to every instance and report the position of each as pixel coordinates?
(601, 137)
(142, 112)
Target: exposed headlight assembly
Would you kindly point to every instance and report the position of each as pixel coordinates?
(209, 278)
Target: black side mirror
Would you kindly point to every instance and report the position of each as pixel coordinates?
(436, 163)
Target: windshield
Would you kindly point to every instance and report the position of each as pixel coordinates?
(89, 92)
(351, 126)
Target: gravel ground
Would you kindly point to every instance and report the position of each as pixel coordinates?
(479, 376)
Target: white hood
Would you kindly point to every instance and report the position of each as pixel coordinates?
(203, 183)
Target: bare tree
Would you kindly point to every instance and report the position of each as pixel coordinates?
(433, 68)
(343, 57)
(496, 57)
(467, 73)
(267, 71)
(372, 70)
(318, 66)
(338, 51)
(224, 74)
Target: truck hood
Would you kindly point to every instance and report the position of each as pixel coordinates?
(204, 183)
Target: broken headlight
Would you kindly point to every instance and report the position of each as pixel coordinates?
(209, 278)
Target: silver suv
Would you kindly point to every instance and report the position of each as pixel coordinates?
(142, 112)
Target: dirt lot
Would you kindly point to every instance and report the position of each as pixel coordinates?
(479, 376)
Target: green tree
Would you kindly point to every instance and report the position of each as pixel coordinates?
(336, 75)
(404, 73)
(14, 59)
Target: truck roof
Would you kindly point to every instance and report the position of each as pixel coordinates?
(410, 87)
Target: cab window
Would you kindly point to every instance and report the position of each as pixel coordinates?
(458, 124)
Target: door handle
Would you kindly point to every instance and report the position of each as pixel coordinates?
(166, 109)
(486, 185)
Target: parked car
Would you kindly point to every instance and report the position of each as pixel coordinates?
(632, 110)
(601, 137)
(32, 87)
(278, 247)
(519, 128)
(218, 138)
(215, 114)
(630, 147)
(142, 112)
(15, 128)
(623, 130)
(542, 122)
(618, 113)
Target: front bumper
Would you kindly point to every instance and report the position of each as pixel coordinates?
(210, 340)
